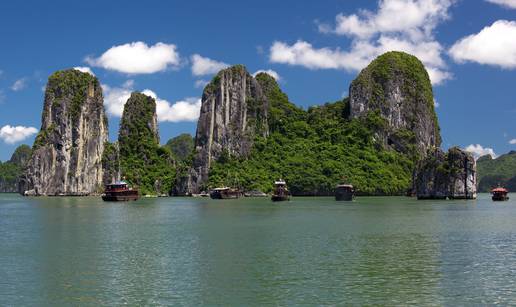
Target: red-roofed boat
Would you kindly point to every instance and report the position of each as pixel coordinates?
(499, 194)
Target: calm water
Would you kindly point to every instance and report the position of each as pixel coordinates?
(313, 251)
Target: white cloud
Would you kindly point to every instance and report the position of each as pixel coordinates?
(205, 66)
(270, 72)
(436, 104)
(201, 83)
(506, 3)
(19, 84)
(478, 151)
(138, 58)
(493, 45)
(401, 25)
(116, 97)
(84, 69)
(184, 110)
(10, 134)
(512, 142)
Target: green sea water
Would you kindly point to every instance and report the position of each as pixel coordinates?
(246, 252)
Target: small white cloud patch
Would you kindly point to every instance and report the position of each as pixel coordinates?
(270, 72)
(84, 69)
(184, 110)
(512, 142)
(478, 151)
(10, 134)
(201, 83)
(137, 58)
(493, 45)
(19, 84)
(202, 66)
(505, 3)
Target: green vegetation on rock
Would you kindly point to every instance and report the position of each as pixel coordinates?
(492, 172)
(181, 146)
(143, 161)
(314, 149)
(11, 170)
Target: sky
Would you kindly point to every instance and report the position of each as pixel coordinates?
(171, 49)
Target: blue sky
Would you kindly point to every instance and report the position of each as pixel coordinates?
(170, 48)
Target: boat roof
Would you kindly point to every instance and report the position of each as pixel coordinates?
(280, 182)
(344, 186)
(504, 190)
(220, 189)
(118, 183)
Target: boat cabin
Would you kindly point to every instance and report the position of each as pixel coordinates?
(499, 194)
(344, 192)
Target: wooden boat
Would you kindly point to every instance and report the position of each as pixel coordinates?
(499, 194)
(119, 191)
(225, 193)
(344, 192)
(280, 192)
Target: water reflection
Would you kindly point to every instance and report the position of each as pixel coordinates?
(185, 251)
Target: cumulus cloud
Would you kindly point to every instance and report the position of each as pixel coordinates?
(138, 58)
(19, 84)
(512, 142)
(10, 134)
(270, 72)
(201, 83)
(478, 151)
(183, 110)
(506, 3)
(401, 25)
(84, 69)
(205, 66)
(493, 45)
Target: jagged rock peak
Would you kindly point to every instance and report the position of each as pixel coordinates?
(234, 110)
(447, 175)
(397, 86)
(139, 108)
(67, 152)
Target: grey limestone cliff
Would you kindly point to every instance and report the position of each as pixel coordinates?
(67, 153)
(233, 111)
(397, 86)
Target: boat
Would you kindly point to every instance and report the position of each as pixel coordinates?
(225, 193)
(280, 192)
(119, 191)
(344, 192)
(499, 194)
(202, 194)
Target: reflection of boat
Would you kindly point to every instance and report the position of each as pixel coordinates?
(344, 192)
(499, 194)
(202, 194)
(225, 193)
(280, 192)
(119, 191)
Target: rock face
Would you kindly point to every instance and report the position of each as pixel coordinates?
(67, 153)
(142, 161)
(110, 163)
(11, 170)
(233, 111)
(447, 175)
(397, 86)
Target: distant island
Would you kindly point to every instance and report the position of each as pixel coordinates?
(384, 139)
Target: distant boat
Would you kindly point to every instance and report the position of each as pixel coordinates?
(202, 194)
(225, 193)
(255, 193)
(119, 191)
(499, 194)
(280, 192)
(344, 192)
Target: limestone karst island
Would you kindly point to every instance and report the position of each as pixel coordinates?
(258, 154)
